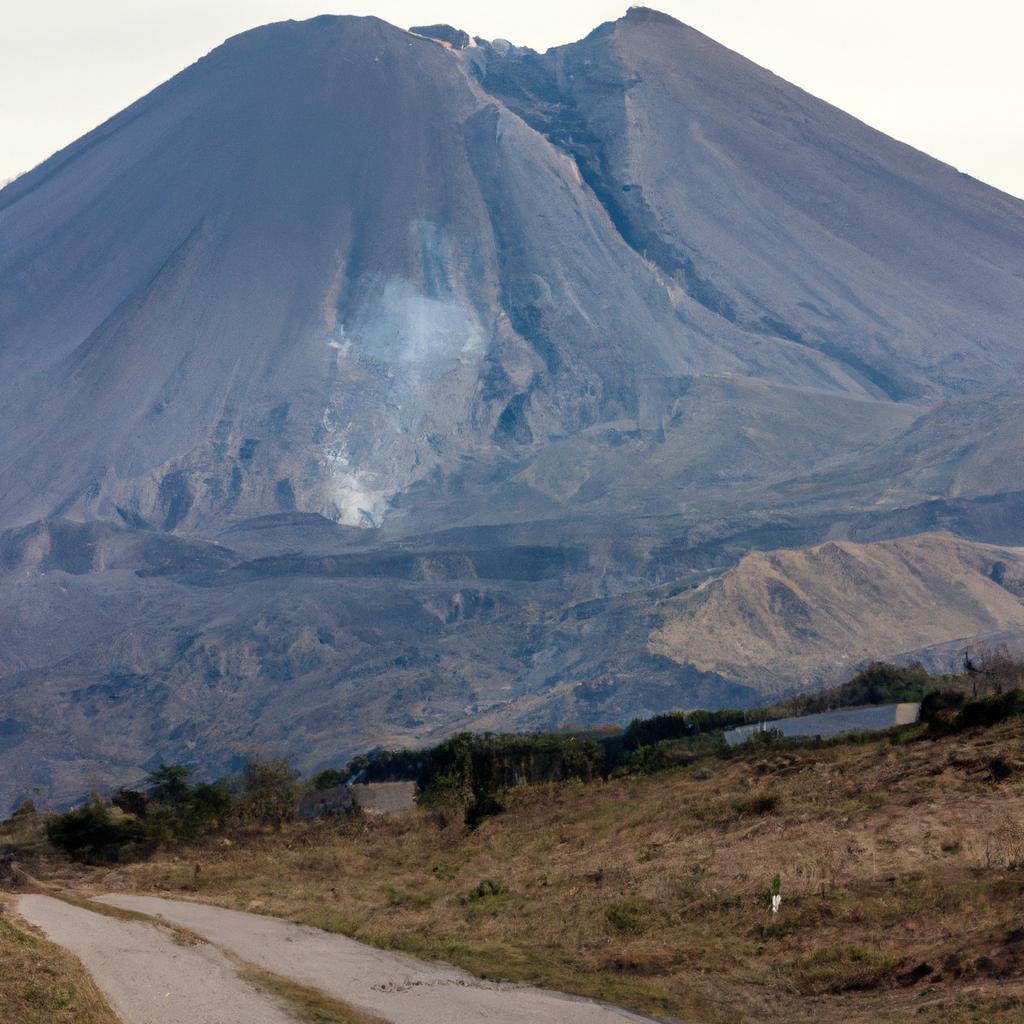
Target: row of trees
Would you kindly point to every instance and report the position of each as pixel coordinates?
(473, 772)
(171, 808)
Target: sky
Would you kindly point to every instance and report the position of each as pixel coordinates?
(944, 76)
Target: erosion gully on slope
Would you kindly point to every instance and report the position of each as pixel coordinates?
(199, 970)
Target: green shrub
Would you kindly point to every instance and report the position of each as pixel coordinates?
(472, 771)
(266, 793)
(96, 833)
(756, 804)
(947, 713)
(486, 890)
(131, 801)
(988, 711)
(329, 778)
(626, 917)
(443, 870)
(644, 732)
(169, 784)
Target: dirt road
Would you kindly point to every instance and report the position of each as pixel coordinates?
(147, 976)
(150, 978)
(394, 987)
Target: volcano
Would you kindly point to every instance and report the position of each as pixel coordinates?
(360, 384)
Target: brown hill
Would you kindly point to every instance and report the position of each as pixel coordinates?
(795, 617)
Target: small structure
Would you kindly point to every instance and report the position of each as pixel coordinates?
(370, 798)
(872, 718)
(384, 797)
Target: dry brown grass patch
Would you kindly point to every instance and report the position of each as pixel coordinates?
(309, 1003)
(40, 983)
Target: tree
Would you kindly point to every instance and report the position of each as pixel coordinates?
(1000, 670)
(95, 833)
(329, 778)
(268, 793)
(170, 783)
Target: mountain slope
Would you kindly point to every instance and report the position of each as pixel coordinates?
(785, 618)
(781, 213)
(359, 385)
(329, 261)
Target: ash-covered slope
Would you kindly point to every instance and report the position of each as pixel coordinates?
(779, 212)
(330, 261)
(307, 271)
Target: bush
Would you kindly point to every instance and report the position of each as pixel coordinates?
(329, 778)
(470, 772)
(487, 889)
(879, 683)
(135, 823)
(627, 917)
(988, 711)
(644, 732)
(204, 809)
(756, 804)
(172, 809)
(96, 834)
(678, 753)
(267, 793)
(948, 713)
(169, 783)
(131, 801)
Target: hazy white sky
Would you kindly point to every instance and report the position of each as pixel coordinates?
(945, 76)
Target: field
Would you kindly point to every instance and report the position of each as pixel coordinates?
(901, 864)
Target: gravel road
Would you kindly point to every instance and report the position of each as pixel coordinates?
(392, 986)
(147, 976)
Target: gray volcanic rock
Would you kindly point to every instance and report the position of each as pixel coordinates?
(443, 33)
(358, 385)
(782, 214)
(328, 261)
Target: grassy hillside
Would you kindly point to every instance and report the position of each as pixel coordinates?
(40, 983)
(901, 868)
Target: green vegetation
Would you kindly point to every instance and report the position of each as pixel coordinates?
(472, 771)
(173, 810)
(947, 713)
(469, 777)
(97, 833)
(467, 773)
(328, 779)
(879, 683)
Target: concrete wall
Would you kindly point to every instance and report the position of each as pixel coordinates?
(833, 723)
(385, 797)
(370, 798)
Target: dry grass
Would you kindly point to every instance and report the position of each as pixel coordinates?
(902, 878)
(309, 1004)
(40, 983)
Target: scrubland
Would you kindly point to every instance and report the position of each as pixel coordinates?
(901, 863)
